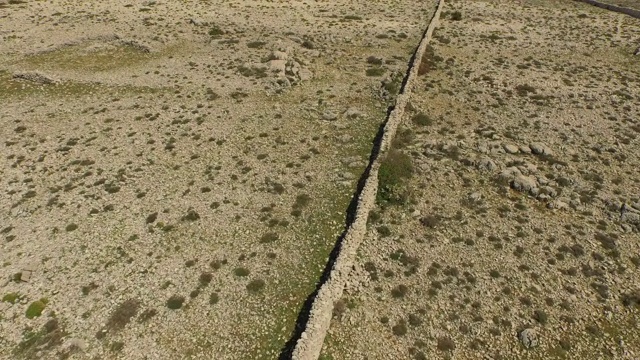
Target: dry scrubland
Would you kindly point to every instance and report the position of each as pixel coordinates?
(508, 217)
(175, 173)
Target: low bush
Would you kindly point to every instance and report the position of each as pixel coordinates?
(394, 170)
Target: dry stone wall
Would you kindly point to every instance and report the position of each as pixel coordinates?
(309, 345)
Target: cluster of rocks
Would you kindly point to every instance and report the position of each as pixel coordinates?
(35, 77)
(628, 214)
(287, 70)
(281, 68)
(515, 170)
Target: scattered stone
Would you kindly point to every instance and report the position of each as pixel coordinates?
(278, 55)
(475, 197)
(526, 184)
(524, 149)
(528, 338)
(329, 115)
(305, 75)
(345, 139)
(278, 66)
(353, 113)
(548, 190)
(347, 175)
(511, 149)
(558, 205)
(509, 173)
(75, 344)
(197, 22)
(540, 149)
(486, 164)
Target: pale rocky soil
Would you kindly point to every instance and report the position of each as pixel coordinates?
(163, 149)
(523, 210)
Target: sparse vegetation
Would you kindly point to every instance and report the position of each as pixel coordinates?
(211, 163)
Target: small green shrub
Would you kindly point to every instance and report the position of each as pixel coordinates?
(194, 294)
(191, 215)
(241, 272)
(302, 201)
(147, 315)
(215, 31)
(152, 217)
(175, 302)
(339, 308)
(394, 170)
(525, 89)
(374, 217)
(11, 298)
(540, 316)
(422, 119)
(255, 286)
(214, 298)
(376, 71)
(256, 44)
(414, 320)
(400, 291)
(116, 346)
(384, 231)
(36, 308)
(456, 16)
(446, 344)
(205, 278)
(269, 237)
(374, 60)
(123, 314)
(400, 329)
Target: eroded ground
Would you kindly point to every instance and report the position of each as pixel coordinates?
(508, 223)
(175, 173)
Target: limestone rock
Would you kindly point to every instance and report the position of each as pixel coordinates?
(540, 149)
(526, 184)
(329, 115)
(278, 66)
(510, 148)
(528, 338)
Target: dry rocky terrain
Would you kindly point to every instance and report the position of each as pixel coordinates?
(507, 223)
(174, 174)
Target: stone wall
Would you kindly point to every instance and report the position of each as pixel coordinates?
(309, 345)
